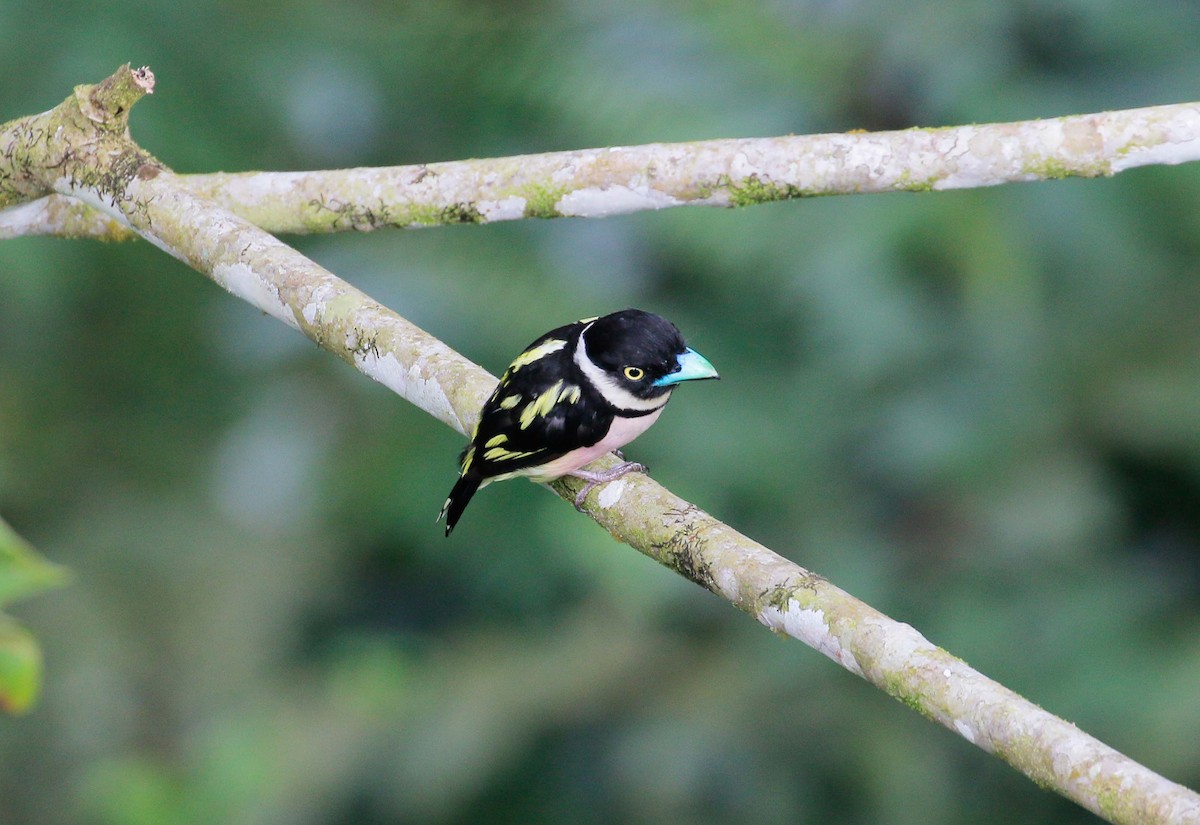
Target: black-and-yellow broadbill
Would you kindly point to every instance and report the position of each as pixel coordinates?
(574, 394)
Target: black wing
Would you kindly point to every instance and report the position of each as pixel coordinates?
(542, 409)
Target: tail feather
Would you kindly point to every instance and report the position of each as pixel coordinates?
(459, 498)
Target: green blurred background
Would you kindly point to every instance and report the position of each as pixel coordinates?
(975, 410)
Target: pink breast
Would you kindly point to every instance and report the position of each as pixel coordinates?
(622, 431)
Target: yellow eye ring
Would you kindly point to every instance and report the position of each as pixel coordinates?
(635, 373)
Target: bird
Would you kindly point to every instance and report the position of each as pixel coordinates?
(577, 392)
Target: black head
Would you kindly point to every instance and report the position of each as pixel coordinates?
(636, 349)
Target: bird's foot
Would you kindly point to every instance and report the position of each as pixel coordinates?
(603, 477)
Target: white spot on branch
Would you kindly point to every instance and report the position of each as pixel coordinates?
(408, 383)
(1170, 154)
(241, 280)
(610, 493)
(809, 626)
(727, 582)
(315, 309)
(507, 209)
(600, 202)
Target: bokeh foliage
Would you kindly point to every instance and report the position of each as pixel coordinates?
(975, 410)
(22, 573)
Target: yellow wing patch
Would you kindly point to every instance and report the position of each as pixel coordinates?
(501, 454)
(510, 401)
(570, 394)
(550, 345)
(540, 406)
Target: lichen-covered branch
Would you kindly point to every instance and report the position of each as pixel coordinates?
(599, 182)
(133, 188)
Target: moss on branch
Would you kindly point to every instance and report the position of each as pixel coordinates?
(83, 143)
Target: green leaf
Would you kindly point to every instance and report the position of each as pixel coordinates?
(20, 667)
(22, 571)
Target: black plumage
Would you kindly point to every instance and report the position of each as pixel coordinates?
(575, 393)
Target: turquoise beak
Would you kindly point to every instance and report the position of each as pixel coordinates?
(691, 366)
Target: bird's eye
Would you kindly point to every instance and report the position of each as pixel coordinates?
(635, 373)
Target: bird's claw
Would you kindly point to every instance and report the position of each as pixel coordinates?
(595, 479)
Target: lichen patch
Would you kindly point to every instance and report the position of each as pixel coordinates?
(809, 626)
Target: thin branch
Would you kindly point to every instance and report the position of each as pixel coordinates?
(63, 217)
(599, 182)
(780, 594)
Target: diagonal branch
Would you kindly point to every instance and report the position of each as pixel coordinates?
(599, 182)
(129, 186)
